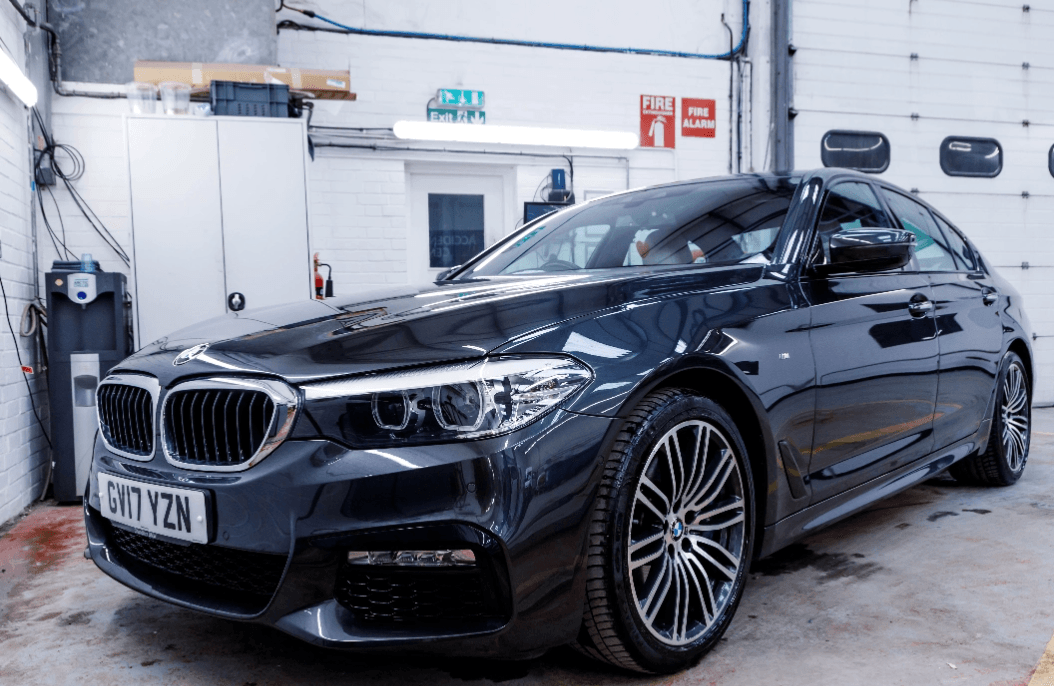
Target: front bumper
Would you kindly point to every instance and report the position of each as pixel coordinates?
(521, 501)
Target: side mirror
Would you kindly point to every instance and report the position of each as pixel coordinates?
(868, 250)
(441, 276)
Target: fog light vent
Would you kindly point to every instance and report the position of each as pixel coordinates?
(413, 558)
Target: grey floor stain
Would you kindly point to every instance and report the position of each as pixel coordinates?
(797, 557)
(944, 513)
(77, 618)
(977, 510)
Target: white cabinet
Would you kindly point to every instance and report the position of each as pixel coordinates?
(219, 206)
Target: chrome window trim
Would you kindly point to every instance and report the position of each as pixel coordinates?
(148, 383)
(280, 393)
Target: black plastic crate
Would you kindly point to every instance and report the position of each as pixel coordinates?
(249, 99)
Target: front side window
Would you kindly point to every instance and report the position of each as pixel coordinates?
(931, 249)
(964, 156)
(865, 151)
(850, 205)
(712, 222)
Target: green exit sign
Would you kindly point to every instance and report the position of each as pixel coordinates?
(453, 116)
(459, 97)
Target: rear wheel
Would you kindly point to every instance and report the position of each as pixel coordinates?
(671, 540)
(1004, 458)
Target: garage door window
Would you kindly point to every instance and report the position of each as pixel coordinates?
(962, 156)
(1050, 160)
(865, 151)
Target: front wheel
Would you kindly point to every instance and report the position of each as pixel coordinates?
(1004, 458)
(671, 540)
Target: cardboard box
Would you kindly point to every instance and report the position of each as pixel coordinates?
(324, 84)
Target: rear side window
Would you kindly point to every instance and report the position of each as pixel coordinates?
(961, 252)
(931, 250)
(963, 156)
(849, 205)
(865, 151)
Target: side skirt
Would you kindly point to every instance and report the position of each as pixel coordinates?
(836, 508)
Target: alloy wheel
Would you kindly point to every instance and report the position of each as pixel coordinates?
(687, 532)
(1014, 410)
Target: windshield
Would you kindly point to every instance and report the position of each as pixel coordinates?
(726, 221)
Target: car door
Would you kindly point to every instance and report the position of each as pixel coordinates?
(874, 343)
(969, 329)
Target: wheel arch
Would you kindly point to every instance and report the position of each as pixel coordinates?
(709, 378)
(1021, 348)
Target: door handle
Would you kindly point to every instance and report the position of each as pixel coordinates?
(990, 296)
(920, 308)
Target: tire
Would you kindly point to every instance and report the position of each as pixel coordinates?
(1004, 458)
(681, 520)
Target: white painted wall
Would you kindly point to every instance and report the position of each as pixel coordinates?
(23, 451)
(853, 70)
(359, 196)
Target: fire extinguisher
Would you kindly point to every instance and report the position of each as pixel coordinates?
(318, 280)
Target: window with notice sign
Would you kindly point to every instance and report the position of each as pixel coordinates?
(455, 228)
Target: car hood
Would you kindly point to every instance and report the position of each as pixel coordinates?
(401, 326)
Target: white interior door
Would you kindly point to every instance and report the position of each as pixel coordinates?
(265, 241)
(452, 218)
(176, 223)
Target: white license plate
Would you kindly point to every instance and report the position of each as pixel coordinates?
(173, 512)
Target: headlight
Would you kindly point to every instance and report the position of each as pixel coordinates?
(452, 402)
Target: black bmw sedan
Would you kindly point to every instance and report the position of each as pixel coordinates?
(584, 435)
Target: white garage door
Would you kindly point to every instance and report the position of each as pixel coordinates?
(854, 70)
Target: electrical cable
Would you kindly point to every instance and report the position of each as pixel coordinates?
(55, 240)
(67, 176)
(18, 354)
(34, 317)
(343, 28)
(58, 212)
(571, 167)
(34, 321)
(731, 72)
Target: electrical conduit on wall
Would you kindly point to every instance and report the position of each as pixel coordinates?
(524, 43)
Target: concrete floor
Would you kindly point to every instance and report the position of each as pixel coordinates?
(942, 584)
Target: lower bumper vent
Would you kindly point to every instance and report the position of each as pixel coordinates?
(416, 595)
(222, 568)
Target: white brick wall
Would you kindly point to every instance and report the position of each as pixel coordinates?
(23, 451)
(358, 212)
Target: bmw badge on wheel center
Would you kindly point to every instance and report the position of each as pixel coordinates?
(583, 435)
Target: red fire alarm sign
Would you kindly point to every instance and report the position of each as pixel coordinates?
(698, 118)
(658, 121)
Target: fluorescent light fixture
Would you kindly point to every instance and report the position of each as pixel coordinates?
(16, 81)
(514, 135)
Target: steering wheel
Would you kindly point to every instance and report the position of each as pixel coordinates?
(558, 266)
